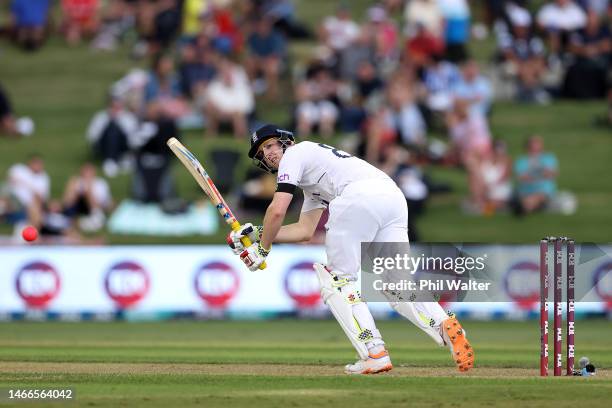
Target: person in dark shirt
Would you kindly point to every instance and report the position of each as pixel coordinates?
(267, 50)
(591, 47)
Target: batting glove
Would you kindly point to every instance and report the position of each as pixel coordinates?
(246, 230)
(254, 256)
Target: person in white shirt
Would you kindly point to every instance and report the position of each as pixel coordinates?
(30, 185)
(364, 205)
(560, 18)
(229, 97)
(338, 32)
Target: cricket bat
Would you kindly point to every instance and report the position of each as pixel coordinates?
(201, 176)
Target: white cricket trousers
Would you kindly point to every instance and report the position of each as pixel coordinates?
(372, 210)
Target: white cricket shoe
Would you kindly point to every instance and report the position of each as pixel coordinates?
(374, 364)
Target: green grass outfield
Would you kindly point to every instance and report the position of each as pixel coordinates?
(290, 363)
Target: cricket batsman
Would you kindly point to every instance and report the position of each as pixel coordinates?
(365, 205)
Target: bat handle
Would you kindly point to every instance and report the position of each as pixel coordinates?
(247, 243)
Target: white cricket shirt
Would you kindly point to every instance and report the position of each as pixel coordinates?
(322, 172)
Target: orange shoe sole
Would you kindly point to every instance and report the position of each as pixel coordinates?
(463, 353)
(386, 368)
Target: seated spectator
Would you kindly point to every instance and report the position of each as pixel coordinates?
(497, 174)
(163, 96)
(536, 174)
(456, 15)
(559, 19)
(30, 185)
(117, 19)
(221, 29)
(282, 13)
(191, 23)
(166, 24)
(87, 197)
(257, 191)
(55, 223)
(423, 16)
(592, 49)
(153, 182)
(439, 80)
(368, 81)
(316, 98)
(422, 47)
(397, 122)
(524, 56)
(410, 179)
(229, 99)
(469, 132)
(29, 22)
(471, 140)
(266, 54)
(113, 132)
(599, 7)
(362, 49)
(385, 34)
(339, 31)
(80, 18)
(474, 88)
(8, 123)
(196, 70)
(406, 116)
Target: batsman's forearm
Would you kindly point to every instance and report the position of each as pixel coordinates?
(291, 233)
(272, 223)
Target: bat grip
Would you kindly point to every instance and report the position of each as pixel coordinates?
(247, 243)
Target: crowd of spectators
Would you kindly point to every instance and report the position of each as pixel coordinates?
(387, 83)
(25, 199)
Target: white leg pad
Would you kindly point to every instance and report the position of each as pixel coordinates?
(340, 296)
(420, 320)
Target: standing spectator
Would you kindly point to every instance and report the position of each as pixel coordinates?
(29, 22)
(457, 28)
(30, 185)
(559, 19)
(474, 88)
(88, 197)
(536, 174)
(267, 52)
(229, 98)
(80, 18)
(8, 123)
